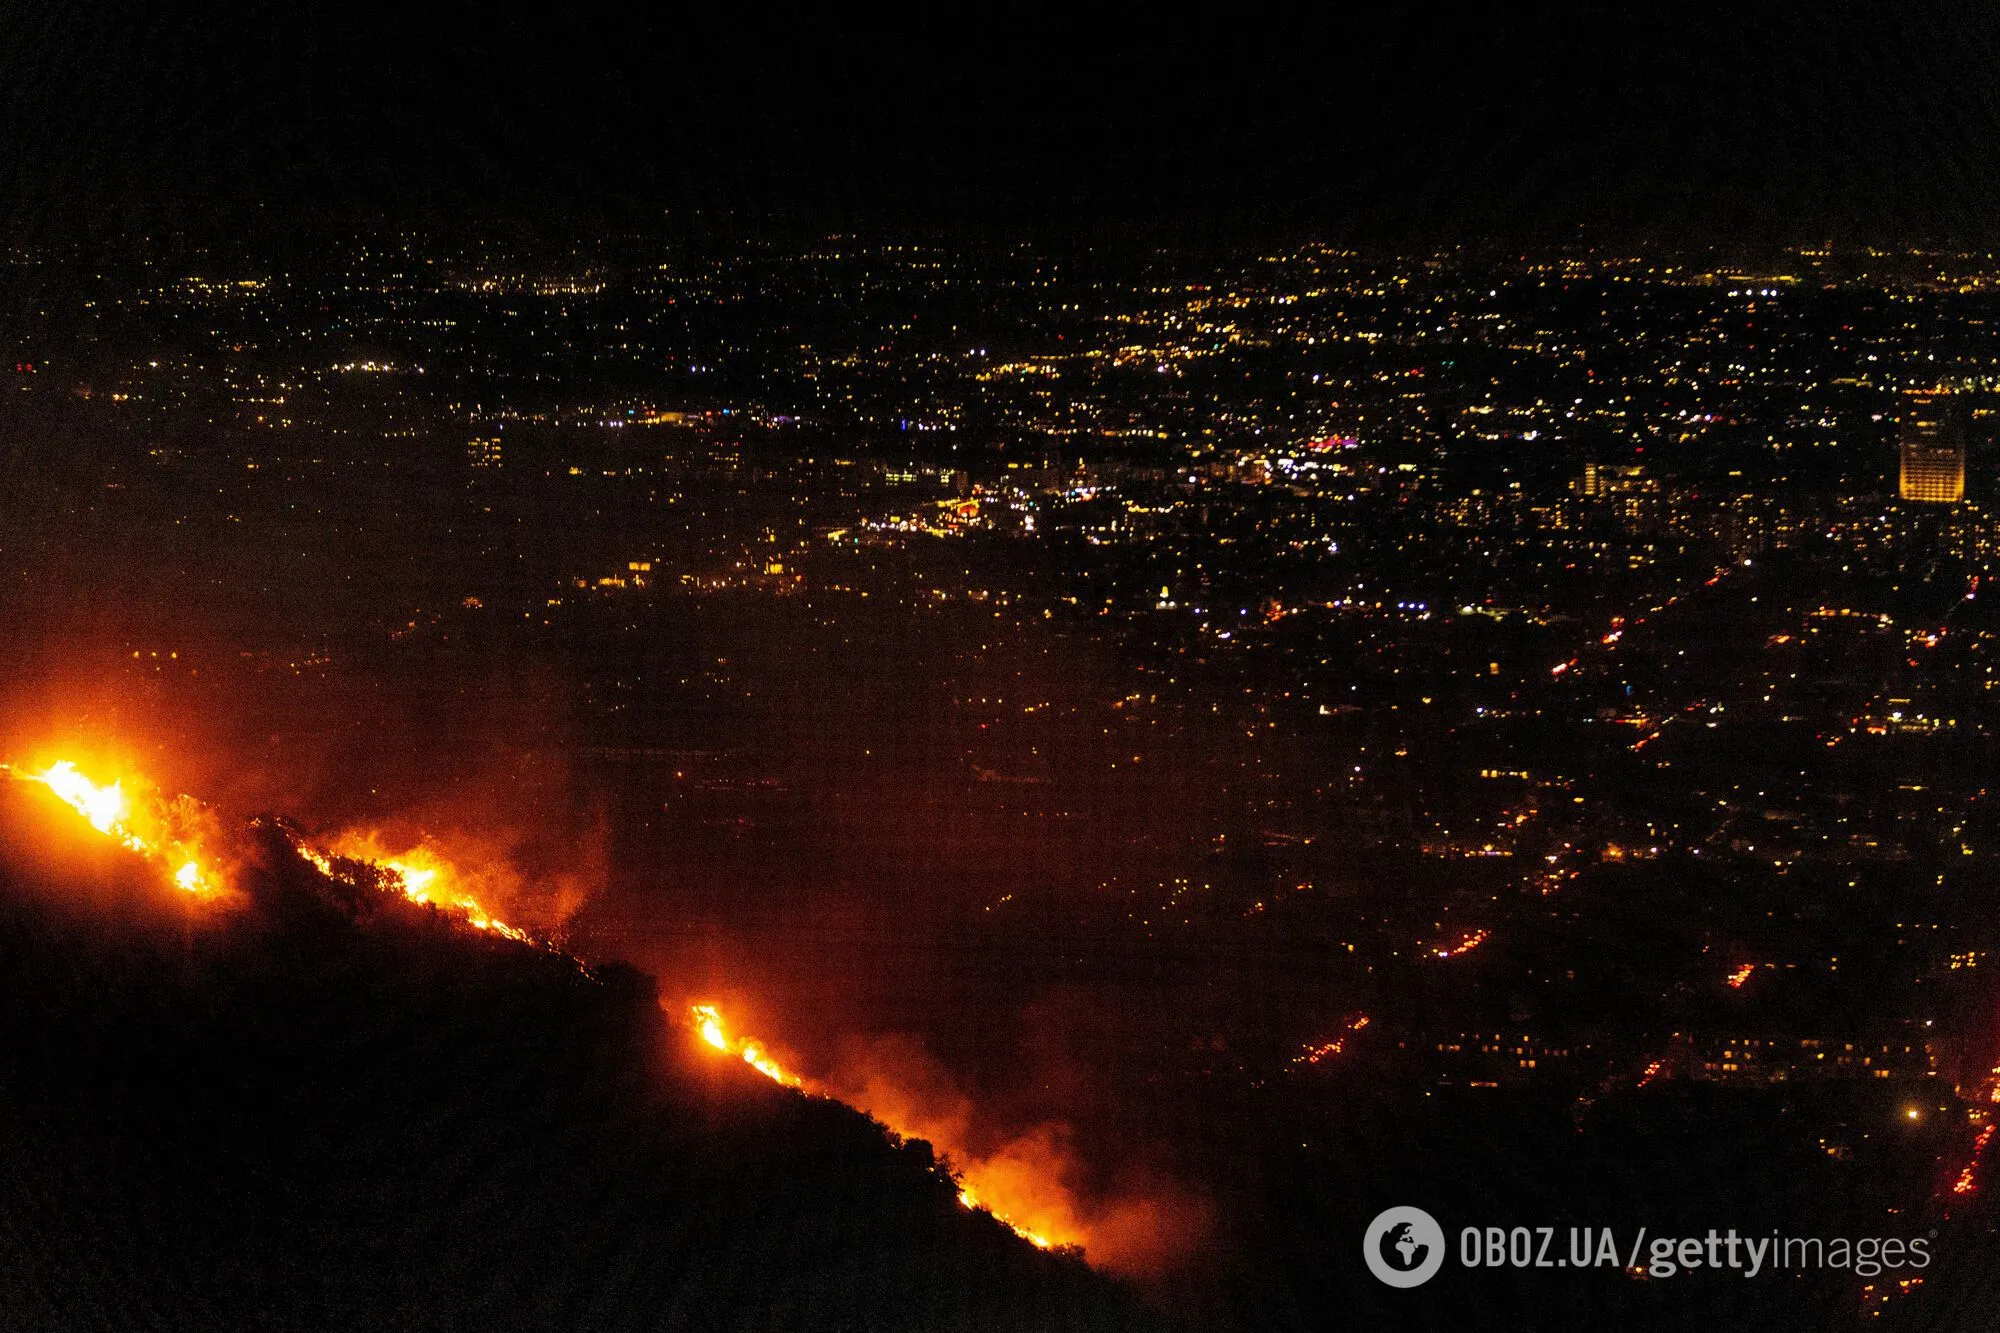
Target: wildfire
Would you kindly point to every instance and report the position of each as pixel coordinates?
(709, 1025)
(170, 834)
(1740, 975)
(968, 1199)
(708, 1022)
(160, 830)
(422, 874)
(165, 832)
(103, 805)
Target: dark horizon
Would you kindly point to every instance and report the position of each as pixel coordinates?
(1665, 122)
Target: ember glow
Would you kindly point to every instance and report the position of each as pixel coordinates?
(709, 1025)
(422, 874)
(1741, 975)
(104, 805)
(708, 1022)
(163, 831)
(968, 1199)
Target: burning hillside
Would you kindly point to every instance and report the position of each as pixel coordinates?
(344, 1089)
(1022, 1180)
(165, 832)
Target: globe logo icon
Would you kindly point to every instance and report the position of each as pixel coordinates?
(1404, 1247)
(1405, 1240)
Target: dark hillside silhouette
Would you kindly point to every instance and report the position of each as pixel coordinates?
(339, 1111)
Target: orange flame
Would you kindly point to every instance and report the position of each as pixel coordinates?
(165, 833)
(1741, 975)
(422, 874)
(104, 805)
(709, 1026)
(708, 1022)
(968, 1199)
(157, 829)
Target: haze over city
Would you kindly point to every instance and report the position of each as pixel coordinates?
(780, 672)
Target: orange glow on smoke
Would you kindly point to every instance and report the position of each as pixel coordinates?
(422, 874)
(991, 1185)
(1020, 1184)
(162, 831)
(968, 1199)
(708, 1022)
(104, 805)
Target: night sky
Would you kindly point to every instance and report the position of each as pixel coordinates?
(1082, 703)
(1713, 122)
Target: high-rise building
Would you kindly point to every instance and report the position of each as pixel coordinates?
(484, 452)
(1600, 479)
(1933, 451)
